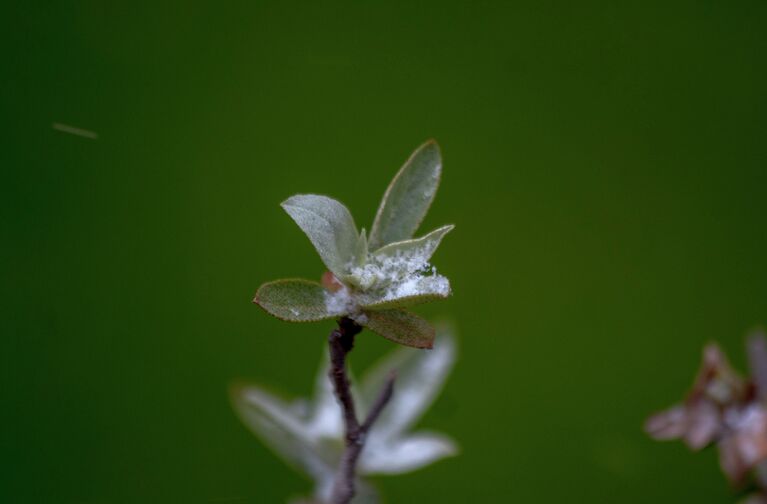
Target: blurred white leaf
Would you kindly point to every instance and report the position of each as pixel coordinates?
(281, 427)
(309, 435)
(396, 456)
(420, 378)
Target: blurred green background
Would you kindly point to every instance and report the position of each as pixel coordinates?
(604, 165)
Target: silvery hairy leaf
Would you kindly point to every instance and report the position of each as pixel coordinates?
(294, 300)
(408, 197)
(329, 226)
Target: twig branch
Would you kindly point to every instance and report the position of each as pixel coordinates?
(341, 342)
(383, 399)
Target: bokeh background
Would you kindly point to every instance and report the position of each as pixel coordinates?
(604, 162)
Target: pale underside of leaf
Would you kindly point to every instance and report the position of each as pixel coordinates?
(283, 430)
(419, 248)
(406, 454)
(421, 375)
(294, 300)
(401, 326)
(408, 197)
(329, 225)
(416, 291)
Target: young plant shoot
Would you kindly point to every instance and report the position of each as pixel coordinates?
(370, 280)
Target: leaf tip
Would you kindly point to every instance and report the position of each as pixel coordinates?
(235, 390)
(286, 202)
(256, 296)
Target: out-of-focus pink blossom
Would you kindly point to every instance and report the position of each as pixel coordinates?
(700, 419)
(727, 410)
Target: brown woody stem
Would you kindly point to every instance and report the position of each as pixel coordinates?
(341, 342)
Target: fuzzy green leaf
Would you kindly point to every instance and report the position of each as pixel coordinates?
(408, 197)
(401, 327)
(294, 300)
(329, 226)
(422, 290)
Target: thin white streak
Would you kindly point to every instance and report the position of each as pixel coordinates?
(75, 131)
